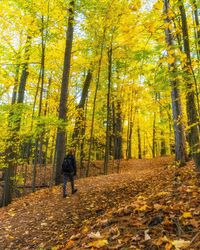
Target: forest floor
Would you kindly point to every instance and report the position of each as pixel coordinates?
(150, 205)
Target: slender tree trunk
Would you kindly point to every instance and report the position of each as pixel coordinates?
(193, 121)
(180, 151)
(163, 144)
(81, 107)
(14, 127)
(162, 135)
(60, 140)
(16, 83)
(130, 128)
(39, 139)
(128, 139)
(197, 28)
(139, 143)
(82, 141)
(108, 125)
(24, 75)
(80, 122)
(94, 104)
(154, 136)
(118, 133)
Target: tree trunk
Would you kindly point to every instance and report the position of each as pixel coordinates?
(60, 140)
(163, 144)
(14, 127)
(81, 107)
(118, 133)
(16, 83)
(154, 136)
(108, 127)
(130, 128)
(94, 104)
(24, 75)
(139, 143)
(192, 113)
(197, 28)
(180, 152)
(38, 158)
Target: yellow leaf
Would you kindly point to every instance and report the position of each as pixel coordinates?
(85, 230)
(162, 193)
(158, 206)
(98, 243)
(168, 246)
(180, 244)
(57, 247)
(143, 208)
(170, 59)
(158, 5)
(186, 215)
(69, 244)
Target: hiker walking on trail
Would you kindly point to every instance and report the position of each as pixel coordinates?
(69, 171)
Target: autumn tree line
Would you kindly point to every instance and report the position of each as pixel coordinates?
(114, 79)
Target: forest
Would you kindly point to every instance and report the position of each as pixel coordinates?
(117, 81)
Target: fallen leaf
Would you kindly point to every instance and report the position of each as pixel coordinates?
(115, 232)
(98, 243)
(157, 206)
(146, 235)
(186, 215)
(96, 235)
(180, 244)
(85, 230)
(69, 244)
(75, 237)
(168, 246)
(43, 224)
(162, 194)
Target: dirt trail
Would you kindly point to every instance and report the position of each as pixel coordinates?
(44, 219)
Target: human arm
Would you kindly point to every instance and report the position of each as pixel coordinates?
(74, 165)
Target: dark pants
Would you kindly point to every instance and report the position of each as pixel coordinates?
(67, 177)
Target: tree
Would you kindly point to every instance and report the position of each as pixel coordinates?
(180, 150)
(60, 140)
(192, 114)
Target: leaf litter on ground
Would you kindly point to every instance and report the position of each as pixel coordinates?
(144, 207)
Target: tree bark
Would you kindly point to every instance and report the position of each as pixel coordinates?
(139, 143)
(196, 18)
(60, 140)
(24, 75)
(39, 138)
(118, 133)
(81, 106)
(180, 151)
(94, 103)
(130, 128)
(14, 127)
(108, 127)
(154, 136)
(192, 114)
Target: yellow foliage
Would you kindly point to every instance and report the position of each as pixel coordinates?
(187, 215)
(98, 243)
(180, 244)
(158, 5)
(170, 59)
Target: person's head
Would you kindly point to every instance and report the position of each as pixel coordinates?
(71, 151)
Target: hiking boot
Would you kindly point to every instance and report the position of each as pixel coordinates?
(64, 195)
(74, 191)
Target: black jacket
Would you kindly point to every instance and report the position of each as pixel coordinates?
(72, 160)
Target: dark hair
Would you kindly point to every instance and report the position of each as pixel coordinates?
(71, 151)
